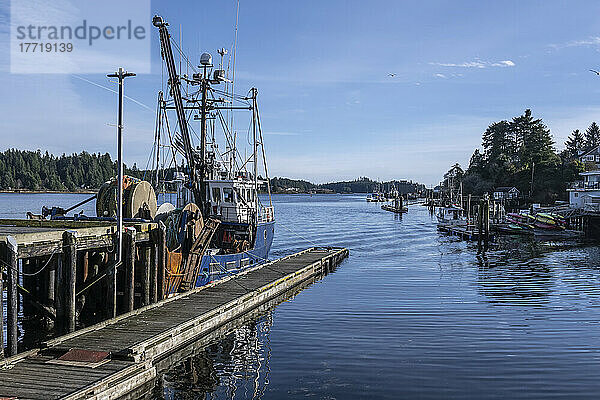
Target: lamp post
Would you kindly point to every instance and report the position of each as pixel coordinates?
(121, 74)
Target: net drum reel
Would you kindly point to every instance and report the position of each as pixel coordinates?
(139, 199)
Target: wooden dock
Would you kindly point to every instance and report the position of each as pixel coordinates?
(118, 356)
(462, 231)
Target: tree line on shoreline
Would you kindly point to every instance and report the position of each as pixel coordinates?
(520, 152)
(24, 170)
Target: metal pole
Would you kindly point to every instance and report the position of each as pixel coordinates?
(254, 92)
(121, 74)
(203, 200)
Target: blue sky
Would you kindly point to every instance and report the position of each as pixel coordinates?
(330, 110)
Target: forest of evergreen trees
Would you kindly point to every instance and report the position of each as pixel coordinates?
(521, 153)
(360, 185)
(37, 171)
(34, 170)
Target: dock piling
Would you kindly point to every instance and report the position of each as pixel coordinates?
(130, 267)
(154, 270)
(162, 259)
(1, 315)
(70, 270)
(12, 265)
(147, 263)
(111, 296)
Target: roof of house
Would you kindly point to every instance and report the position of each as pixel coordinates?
(505, 189)
(592, 150)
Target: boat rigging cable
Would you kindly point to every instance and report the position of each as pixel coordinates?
(175, 84)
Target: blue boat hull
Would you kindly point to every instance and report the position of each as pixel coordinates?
(219, 266)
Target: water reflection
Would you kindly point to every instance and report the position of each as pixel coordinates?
(236, 366)
(528, 272)
(232, 362)
(505, 281)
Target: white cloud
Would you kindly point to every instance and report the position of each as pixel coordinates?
(440, 76)
(591, 41)
(476, 64)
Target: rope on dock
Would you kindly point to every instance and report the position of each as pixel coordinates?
(35, 273)
(297, 234)
(230, 274)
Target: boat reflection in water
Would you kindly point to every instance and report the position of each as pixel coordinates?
(519, 274)
(235, 367)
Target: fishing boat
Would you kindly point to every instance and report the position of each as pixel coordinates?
(397, 206)
(218, 211)
(376, 197)
(452, 215)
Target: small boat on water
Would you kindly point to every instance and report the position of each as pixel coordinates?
(543, 226)
(452, 215)
(397, 206)
(376, 197)
(513, 229)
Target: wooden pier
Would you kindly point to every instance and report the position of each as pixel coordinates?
(62, 275)
(463, 231)
(115, 357)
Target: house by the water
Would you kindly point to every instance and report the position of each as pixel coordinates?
(591, 158)
(506, 193)
(586, 193)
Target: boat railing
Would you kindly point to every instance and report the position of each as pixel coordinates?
(243, 215)
(266, 214)
(591, 207)
(585, 185)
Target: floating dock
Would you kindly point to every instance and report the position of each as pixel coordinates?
(462, 231)
(397, 210)
(115, 357)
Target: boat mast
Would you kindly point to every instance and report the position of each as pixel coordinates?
(204, 87)
(255, 147)
(175, 84)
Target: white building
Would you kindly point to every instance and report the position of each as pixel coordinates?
(591, 157)
(586, 192)
(507, 192)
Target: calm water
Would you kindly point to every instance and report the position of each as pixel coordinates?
(410, 314)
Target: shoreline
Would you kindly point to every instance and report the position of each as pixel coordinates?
(25, 191)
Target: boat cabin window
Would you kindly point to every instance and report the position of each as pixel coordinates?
(228, 195)
(216, 194)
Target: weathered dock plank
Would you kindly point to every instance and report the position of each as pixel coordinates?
(137, 340)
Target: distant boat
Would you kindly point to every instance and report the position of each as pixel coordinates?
(397, 206)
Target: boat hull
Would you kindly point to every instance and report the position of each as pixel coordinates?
(219, 266)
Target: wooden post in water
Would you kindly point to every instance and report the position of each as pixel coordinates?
(27, 279)
(479, 225)
(111, 296)
(59, 294)
(50, 295)
(147, 262)
(130, 267)
(12, 271)
(487, 222)
(1, 314)
(162, 259)
(154, 266)
(69, 264)
(468, 210)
